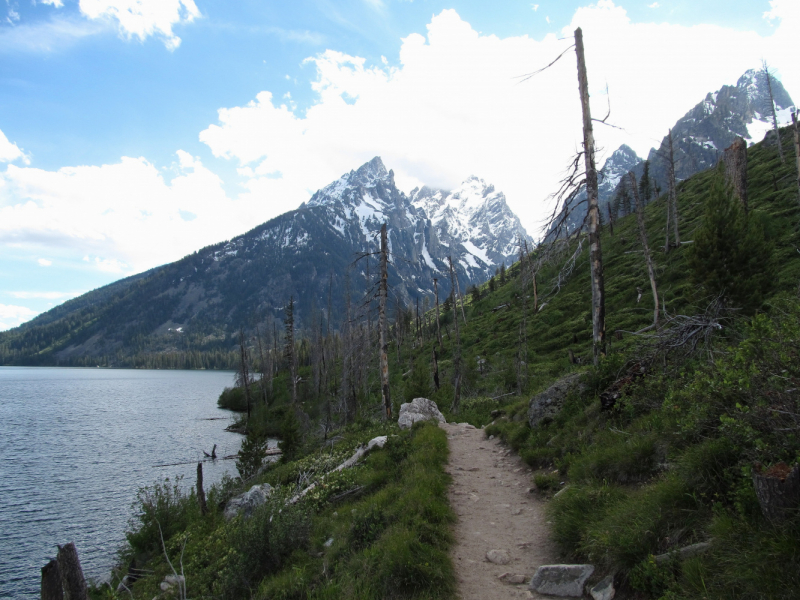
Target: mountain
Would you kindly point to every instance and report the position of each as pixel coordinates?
(698, 138)
(198, 304)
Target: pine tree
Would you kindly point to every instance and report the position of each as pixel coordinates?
(503, 274)
(731, 255)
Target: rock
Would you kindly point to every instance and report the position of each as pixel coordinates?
(604, 590)
(247, 502)
(164, 586)
(546, 405)
(419, 409)
(561, 580)
(512, 578)
(498, 557)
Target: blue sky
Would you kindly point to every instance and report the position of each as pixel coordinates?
(133, 132)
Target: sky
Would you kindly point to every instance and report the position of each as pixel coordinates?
(134, 132)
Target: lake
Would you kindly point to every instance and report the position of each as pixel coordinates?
(76, 445)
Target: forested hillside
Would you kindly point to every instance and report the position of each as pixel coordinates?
(667, 444)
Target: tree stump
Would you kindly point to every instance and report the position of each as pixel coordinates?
(201, 495)
(51, 582)
(778, 491)
(72, 579)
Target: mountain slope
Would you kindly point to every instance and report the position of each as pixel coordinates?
(198, 303)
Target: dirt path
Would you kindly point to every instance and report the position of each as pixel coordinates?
(495, 512)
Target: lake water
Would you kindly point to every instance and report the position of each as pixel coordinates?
(76, 445)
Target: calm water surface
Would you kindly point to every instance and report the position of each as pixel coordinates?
(76, 444)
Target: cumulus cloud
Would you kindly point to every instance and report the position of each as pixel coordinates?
(10, 151)
(11, 316)
(143, 18)
(125, 216)
(455, 105)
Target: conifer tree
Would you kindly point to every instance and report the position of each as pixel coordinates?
(645, 185)
(731, 255)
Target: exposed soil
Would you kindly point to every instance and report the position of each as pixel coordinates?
(495, 512)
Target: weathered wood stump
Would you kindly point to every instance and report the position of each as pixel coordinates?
(778, 491)
(72, 579)
(51, 582)
(201, 495)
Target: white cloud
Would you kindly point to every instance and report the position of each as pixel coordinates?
(46, 36)
(654, 5)
(11, 316)
(535, 7)
(43, 262)
(455, 107)
(10, 151)
(56, 3)
(143, 18)
(125, 216)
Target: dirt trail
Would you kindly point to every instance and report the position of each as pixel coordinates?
(495, 512)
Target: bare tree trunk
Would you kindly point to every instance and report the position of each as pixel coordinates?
(290, 349)
(438, 327)
(435, 369)
(243, 370)
(610, 220)
(384, 325)
(457, 357)
(201, 494)
(262, 365)
(645, 246)
(533, 277)
(673, 194)
(51, 582)
(460, 298)
(774, 115)
(796, 149)
(735, 157)
(72, 580)
(595, 253)
(778, 494)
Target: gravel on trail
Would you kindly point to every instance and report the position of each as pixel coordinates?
(501, 533)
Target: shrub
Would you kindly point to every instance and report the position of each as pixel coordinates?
(161, 505)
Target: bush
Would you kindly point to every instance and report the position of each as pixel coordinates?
(160, 506)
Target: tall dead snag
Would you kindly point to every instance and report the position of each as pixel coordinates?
(460, 297)
(72, 580)
(796, 149)
(768, 75)
(435, 369)
(438, 327)
(735, 157)
(595, 253)
(262, 365)
(244, 373)
(457, 357)
(645, 246)
(673, 194)
(201, 494)
(51, 582)
(290, 350)
(384, 343)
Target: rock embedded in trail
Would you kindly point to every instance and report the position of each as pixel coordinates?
(546, 405)
(419, 409)
(498, 557)
(247, 502)
(561, 580)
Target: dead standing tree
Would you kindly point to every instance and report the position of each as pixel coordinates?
(244, 373)
(735, 158)
(768, 75)
(457, 356)
(673, 197)
(796, 149)
(646, 248)
(438, 327)
(290, 349)
(593, 216)
(384, 325)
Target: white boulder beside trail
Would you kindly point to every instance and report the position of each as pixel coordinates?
(419, 409)
(247, 502)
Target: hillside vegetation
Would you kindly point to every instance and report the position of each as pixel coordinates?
(670, 463)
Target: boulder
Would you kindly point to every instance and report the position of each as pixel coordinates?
(247, 502)
(604, 590)
(419, 409)
(547, 404)
(561, 580)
